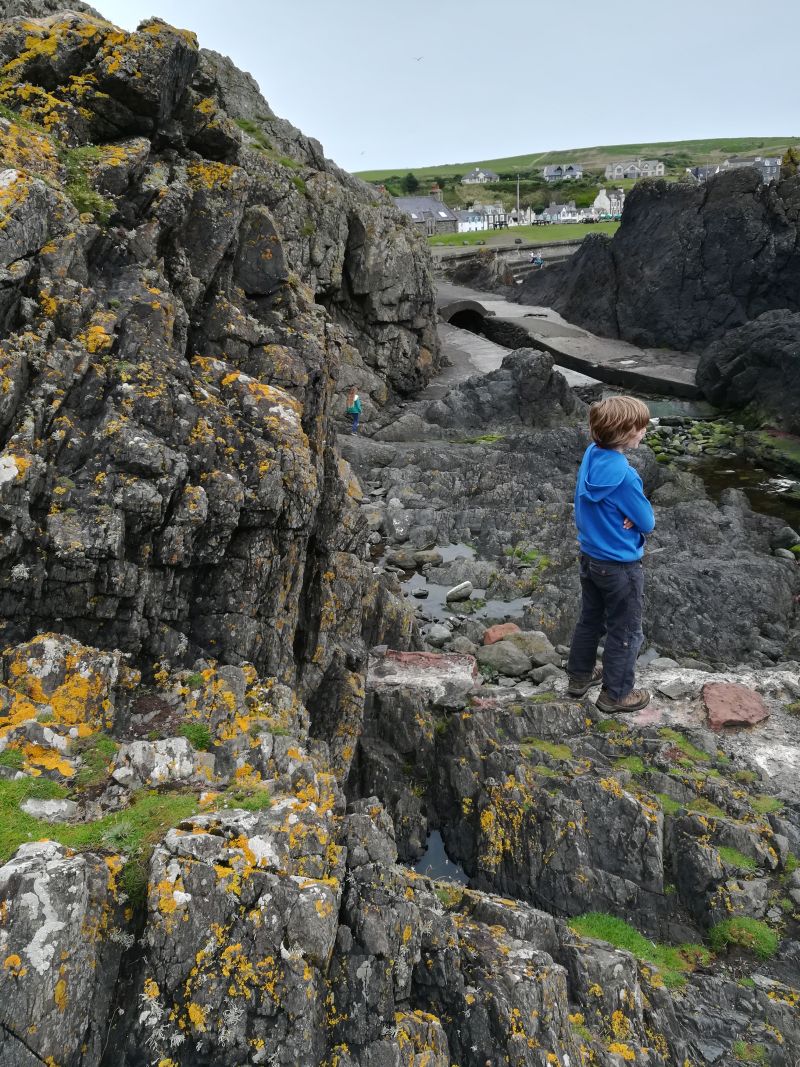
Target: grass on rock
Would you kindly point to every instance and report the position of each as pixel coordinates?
(743, 932)
(674, 962)
(197, 734)
(530, 744)
(764, 805)
(689, 750)
(734, 858)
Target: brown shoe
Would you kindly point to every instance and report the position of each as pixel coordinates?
(633, 701)
(579, 684)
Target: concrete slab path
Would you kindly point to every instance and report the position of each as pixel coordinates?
(649, 370)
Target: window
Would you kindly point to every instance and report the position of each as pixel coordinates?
(442, 214)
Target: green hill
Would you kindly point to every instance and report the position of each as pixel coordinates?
(676, 154)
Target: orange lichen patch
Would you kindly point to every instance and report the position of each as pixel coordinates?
(60, 994)
(15, 188)
(39, 759)
(80, 698)
(210, 176)
(28, 150)
(206, 106)
(151, 990)
(619, 1049)
(114, 865)
(13, 965)
(197, 1015)
(98, 335)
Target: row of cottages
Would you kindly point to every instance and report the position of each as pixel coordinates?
(769, 167)
(485, 217)
(562, 172)
(429, 214)
(479, 176)
(606, 205)
(635, 168)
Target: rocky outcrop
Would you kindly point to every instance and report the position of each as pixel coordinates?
(189, 286)
(756, 369)
(689, 263)
(524, 392)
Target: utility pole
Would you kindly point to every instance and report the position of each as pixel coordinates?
(518, 200)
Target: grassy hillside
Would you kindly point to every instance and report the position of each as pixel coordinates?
(676, 154)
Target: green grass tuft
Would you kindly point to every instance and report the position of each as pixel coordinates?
(97, 754)
(197, 734)
(747, 1052)
(12, 758)
(764, 805)
(78, 163)
(634, 764)
(133, 831)
(668, 805)
(733, 858)
(674, 962)
(689, 750)
(256, 798)
(531, 744)
(743, 932)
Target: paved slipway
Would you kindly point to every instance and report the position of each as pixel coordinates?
(653, 370)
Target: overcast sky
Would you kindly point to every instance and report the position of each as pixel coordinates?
(506, 77)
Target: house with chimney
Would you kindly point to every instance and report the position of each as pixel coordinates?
(429, 214)
(561, 172)
(635, 168)
(479, 176)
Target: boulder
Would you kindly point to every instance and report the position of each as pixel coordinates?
(462, 591)
(729, 704)
(500, 631)
(504, 658)
(756, 369)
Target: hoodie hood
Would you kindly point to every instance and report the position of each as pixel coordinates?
(604, 471)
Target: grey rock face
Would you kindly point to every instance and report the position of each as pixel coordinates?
(168, 475)
(756, 368)
(61, 938)
(688, 263)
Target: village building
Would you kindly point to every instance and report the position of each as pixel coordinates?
(479, 176)
(635, 168)
(471, 221)
(609, 204)
(429, 214)
(769, 167)
(560, 172)
(561, 212)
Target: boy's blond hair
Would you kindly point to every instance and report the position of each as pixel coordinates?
(613, 419)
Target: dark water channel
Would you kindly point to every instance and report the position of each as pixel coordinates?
(435, 863)
(769, 491)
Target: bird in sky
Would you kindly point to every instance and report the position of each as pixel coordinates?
(418, 58)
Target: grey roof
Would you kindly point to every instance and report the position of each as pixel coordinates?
(480, 170)
(551, 168)
(422, 207)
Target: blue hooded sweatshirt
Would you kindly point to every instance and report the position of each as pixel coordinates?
(608, 491)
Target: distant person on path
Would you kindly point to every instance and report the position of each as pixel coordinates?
(613, 517)
(354, 409)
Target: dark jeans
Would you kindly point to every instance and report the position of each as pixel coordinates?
(611, 604)
(354, 421)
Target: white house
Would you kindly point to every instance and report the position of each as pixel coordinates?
(609, 203)
(561, 212)
(471, 221)
(635, 168)
(479, 176)
(560, 172)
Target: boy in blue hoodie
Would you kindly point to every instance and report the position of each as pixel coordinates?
(613, 517)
